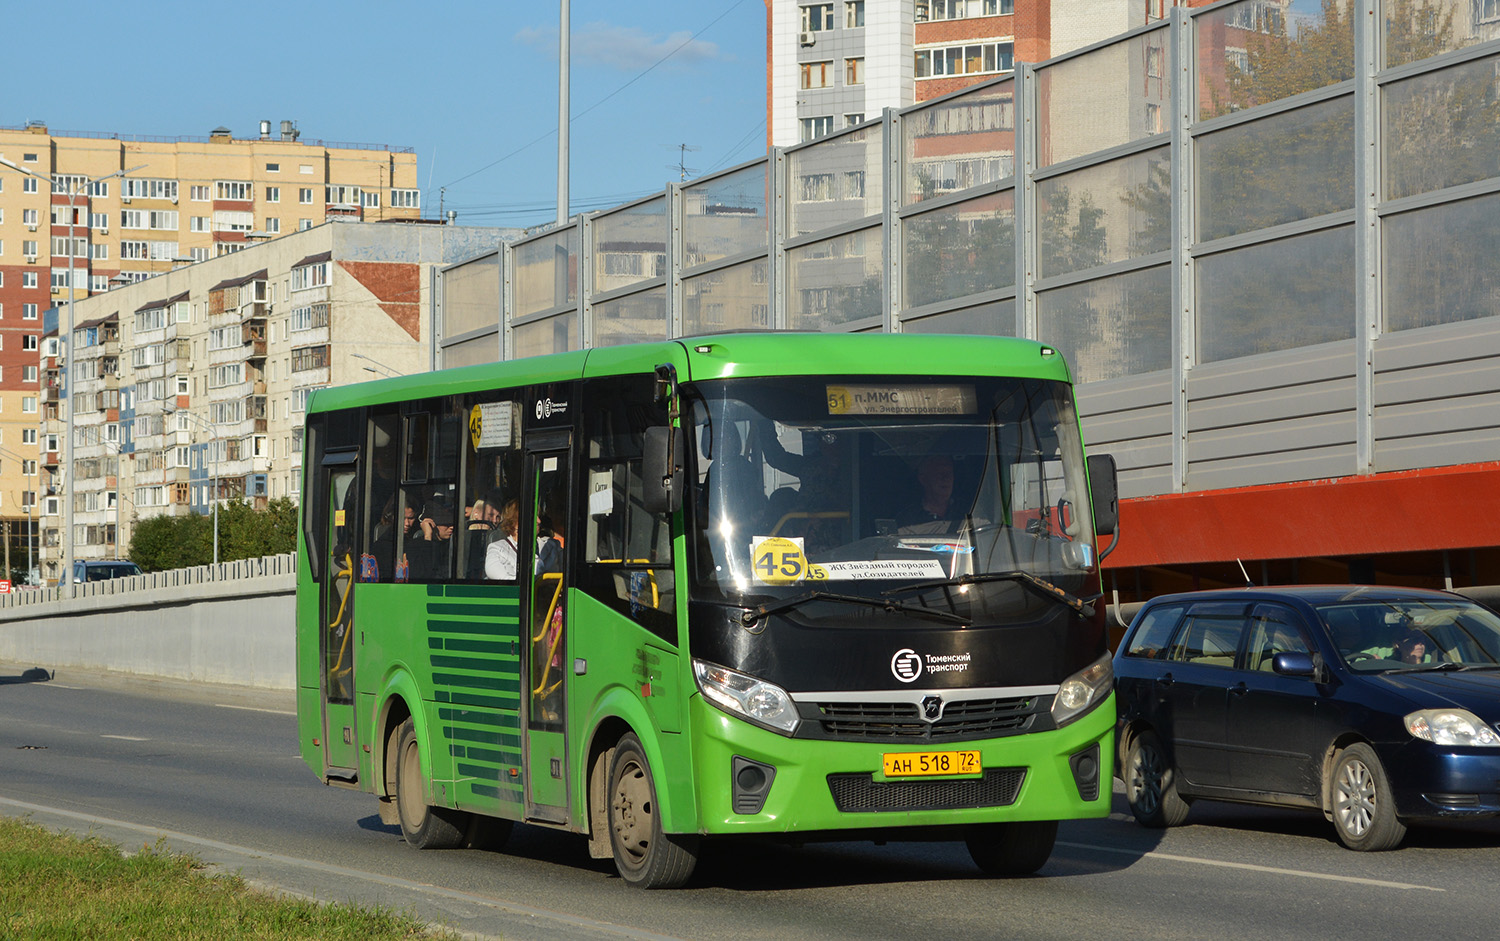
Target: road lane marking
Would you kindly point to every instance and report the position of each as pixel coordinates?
(495, 904)
(1300, 873)
(275, 712)
(127, 738)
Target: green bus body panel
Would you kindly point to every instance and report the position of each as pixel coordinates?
(729, 355)
(800, 798)
(632, 676)
(451, 651)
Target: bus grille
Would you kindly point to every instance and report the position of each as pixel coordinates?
(901, 721)
(861, 793)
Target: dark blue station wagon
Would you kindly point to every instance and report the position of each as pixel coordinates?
(1377, 706)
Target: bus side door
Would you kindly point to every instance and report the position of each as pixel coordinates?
(336, 647)
(545, 523)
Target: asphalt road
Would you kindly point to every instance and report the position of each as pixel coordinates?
(214, 771)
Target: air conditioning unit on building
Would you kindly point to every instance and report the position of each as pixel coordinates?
(31, 227)
(30, 259)
(807, 39)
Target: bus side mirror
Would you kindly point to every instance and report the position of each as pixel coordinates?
(661, 468)
(1104, 493)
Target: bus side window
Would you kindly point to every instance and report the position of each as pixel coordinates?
(492, 488)
(627, 550)
(382, 503)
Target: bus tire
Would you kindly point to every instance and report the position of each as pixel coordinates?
(1012, 849)
(423, 826)
(646, 857)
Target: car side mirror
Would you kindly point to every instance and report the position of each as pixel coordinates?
(1294, 663)
(661, 469)
(1104, 493)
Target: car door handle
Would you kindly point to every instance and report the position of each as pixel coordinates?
(1239, 689)
(1164, 680)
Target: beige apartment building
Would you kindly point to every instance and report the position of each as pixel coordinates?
(84, 212)
(193, 385)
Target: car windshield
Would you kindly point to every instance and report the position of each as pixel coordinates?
(868, 485)
(1414, 635)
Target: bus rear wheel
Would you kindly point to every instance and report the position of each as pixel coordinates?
(646, 857)
(1012, 849)
(423, 826)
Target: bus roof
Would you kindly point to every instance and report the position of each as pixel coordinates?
(722, 356)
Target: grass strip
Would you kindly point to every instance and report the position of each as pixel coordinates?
(60, 886)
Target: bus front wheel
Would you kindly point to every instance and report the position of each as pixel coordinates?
(423, 826)
(1012, 849)
(646, 857)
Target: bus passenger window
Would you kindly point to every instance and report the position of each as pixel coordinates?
(492, 490)
(378, 563)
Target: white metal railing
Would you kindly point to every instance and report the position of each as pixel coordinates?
(263, 567)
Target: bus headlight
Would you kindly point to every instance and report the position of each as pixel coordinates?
(1451, 727)
(746, 696)
(1082, 691)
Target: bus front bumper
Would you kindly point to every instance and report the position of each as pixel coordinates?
(802, 786)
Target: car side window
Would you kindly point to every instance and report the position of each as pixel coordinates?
(1154, 633)
(1210, 635)
(1273, 630)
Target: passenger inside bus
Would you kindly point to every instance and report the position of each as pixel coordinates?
(500, 555)
(431, 547)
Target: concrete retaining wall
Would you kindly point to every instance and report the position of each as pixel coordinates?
(202, 625)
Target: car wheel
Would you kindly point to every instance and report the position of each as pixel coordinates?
(423, 826)
(1364, 816)
(646, 857)
(1012, 849)
(1151, 784)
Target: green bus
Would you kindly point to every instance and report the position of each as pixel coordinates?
(800, 587)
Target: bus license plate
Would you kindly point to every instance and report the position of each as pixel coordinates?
(909, 764)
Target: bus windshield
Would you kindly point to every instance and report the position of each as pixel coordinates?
(867, 485)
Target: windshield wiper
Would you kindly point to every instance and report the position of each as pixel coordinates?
(762, 611)
(1083, 606)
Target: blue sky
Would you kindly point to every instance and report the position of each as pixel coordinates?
(471, 85)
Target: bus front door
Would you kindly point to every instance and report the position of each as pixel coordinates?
(340, 755)
(546, 520)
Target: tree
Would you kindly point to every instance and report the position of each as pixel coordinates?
(169, 542)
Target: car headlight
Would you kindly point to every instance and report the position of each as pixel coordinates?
(1082, 691)
(743, 695)
(1451, 727)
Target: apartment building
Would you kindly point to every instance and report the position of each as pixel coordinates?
(835, 63)
(83, 212)
(192, 386)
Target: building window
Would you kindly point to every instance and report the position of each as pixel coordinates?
(28, 311)
(1156, 57)
(817, 74)
(29, 343)
(813, 128)
(406, 199)
(1154, 123)
(304, 195)
(310, 276)
(198, 194)
(273, 194)
(304, 224)
(962, 9)
(273, 168)
(854, 14)
(28, 216)
(233, 189)
(309, 357)
(370, 199)
(28, 278)
(817, 17)
(273, 226)
(854, 71)
(852, 119)
(28, 374)
(28, 184)
(28, 404)
(967, 59)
